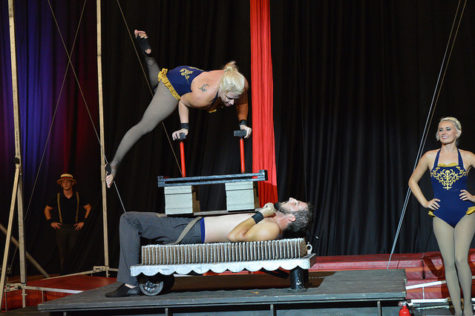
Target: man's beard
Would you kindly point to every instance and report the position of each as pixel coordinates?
(278, 207)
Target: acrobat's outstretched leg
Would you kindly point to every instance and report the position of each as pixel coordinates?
(162, 105)
(152, 66)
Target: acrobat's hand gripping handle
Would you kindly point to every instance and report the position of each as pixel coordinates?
(181, 138)
(241, 134)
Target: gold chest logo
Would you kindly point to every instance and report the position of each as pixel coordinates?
(447, 177)
(186, 73)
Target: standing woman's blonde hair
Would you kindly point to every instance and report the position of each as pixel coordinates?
(454, 121)
(232, 81)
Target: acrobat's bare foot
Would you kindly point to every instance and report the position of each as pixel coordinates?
(142, 40)
(110, 174)
(109, 180)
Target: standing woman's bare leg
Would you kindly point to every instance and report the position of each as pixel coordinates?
(464, 232)
(444, 233)
(161, 106)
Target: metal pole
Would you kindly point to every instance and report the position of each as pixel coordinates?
(9, 232)
(101, 131)
(21, 237)
(18, 183)
(28, 256)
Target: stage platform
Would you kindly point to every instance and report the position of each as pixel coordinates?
(365, 292)
(40, 290)
(418, 268)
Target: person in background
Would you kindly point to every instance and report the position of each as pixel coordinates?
(66, 214)
(452, 207)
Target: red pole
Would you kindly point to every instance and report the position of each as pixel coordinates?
(182, 157)
(241, 145)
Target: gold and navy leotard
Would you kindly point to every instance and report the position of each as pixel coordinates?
(447, 181)
(178, 80)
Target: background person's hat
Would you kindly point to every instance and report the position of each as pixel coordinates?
(66, 176)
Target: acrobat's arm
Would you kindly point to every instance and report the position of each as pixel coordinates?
(242, 109)
(184, 113)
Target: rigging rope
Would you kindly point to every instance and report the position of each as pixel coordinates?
(70, 65)
(27, 213)
(435, 98)
(54, 114)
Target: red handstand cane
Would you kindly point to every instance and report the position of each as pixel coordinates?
(182, 154)
(241, 134)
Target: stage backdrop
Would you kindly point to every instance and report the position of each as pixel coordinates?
(353, 83)
(56, 132)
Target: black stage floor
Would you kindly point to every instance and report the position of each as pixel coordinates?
(364, 292)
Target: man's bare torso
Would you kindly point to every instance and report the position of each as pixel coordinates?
(217, 228)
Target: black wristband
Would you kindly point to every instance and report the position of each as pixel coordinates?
(242, 122)
(49, 221)
(185, 125)
(257, 217)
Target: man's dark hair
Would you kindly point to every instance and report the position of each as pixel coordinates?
(303, 218)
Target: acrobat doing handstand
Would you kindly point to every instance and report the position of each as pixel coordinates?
(185, 87)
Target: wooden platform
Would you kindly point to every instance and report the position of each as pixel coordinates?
(358, 292)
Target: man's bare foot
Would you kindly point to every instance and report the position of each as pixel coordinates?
(142, 40)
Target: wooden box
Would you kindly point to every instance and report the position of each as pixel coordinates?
(240, 196)
(180, 200)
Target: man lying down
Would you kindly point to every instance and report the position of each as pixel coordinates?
(271, 222)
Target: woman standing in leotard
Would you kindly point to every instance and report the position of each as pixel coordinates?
(452, 207)
(183, 87)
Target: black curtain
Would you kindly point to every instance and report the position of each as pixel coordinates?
(353, 85)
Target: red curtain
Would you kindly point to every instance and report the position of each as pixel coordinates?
(263, 147)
